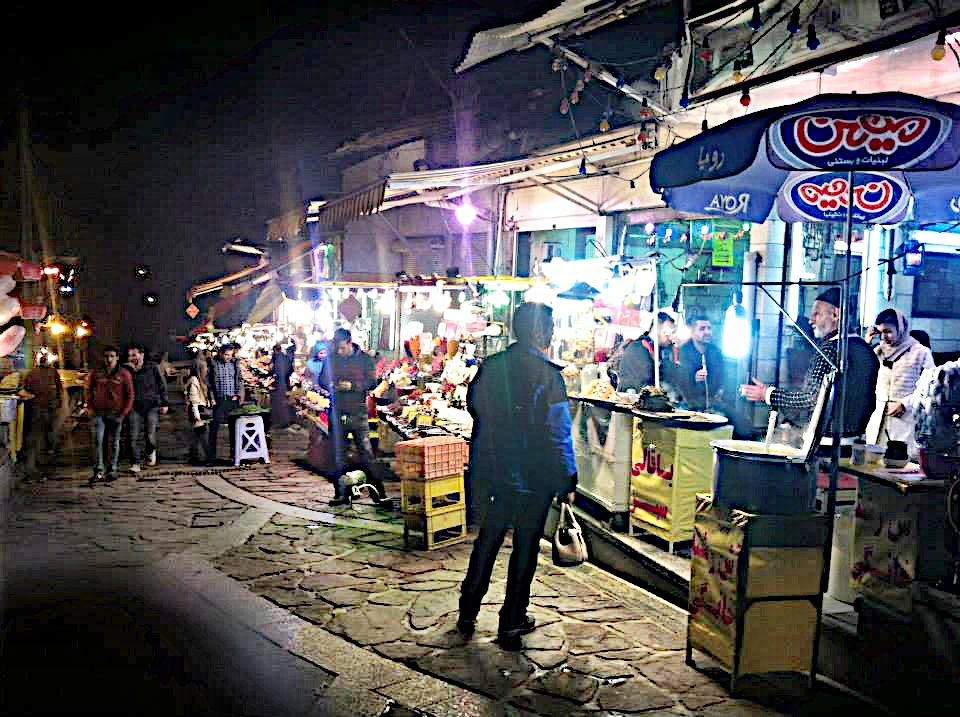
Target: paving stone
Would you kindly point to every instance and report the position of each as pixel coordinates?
(393, 597)
(270, 544)
(287, 580)
(572, 605)
(546, 659)
(551, 637)
(339, 566)
(413, 566)
(589, 638)
(344, 597)
(287, 598)
(244, 568)
(428, 608)
(446, 636)
(632, 654)
(651, 635)
(538, 589)
(611, 615)
(568, 587)
(599, 668)
(635, 695)
(479, 666)
(317, 613)
(541, 703)
(402, 650)
(345, 701)
(571, 686)
(420, 691)
(441, 575)
(496, 594)
(696, 702)
(674, 674)
(371, 625)
(382, 573)
(427, 586)
(325, 581)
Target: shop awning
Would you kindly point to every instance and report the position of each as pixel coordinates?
(356, 204)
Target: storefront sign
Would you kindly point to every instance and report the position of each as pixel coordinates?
(733, 205)
(722, 250)
(818, 197)
(853, 139)
(192, 311)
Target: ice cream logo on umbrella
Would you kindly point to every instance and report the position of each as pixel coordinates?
(852, 138)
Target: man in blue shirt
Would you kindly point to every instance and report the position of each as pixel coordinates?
(521, 458)
(226, 387)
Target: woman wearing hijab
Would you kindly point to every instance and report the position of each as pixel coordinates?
(902, 360)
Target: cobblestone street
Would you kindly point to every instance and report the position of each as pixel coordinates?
(334, 607)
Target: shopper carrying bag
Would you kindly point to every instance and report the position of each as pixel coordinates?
(569, 545)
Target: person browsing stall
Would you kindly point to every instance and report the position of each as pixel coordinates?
(226, 388)
(636, 368)
(797, 405)
(902, 360)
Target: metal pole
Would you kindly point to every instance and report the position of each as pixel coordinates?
(787, 251)
(656, 328)
(839, 410)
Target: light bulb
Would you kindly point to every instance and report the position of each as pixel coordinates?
(737, 74)
(466, 213)
(649, 228)
(604, 125)
(793, 26)
(684, 100)
(660, 74)
(813, 42)
(745, 98)
(756, 22)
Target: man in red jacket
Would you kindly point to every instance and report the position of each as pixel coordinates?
(109, 398)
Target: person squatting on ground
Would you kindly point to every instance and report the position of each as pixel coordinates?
(200, 406)
(109, 398)
(354, 375)
(521, 458)
(226, 388)
(149, 402)
(42, 411)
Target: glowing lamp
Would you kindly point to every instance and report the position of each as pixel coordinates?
(940, 48)
(82, 331)
(736, 332)
(660, 74)
(466, 213)
(57, 328)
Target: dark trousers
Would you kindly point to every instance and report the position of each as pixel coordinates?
(41, 438)
(199, 443)
(221, 415)
(356, 434)
(143, 423)
(526, 513)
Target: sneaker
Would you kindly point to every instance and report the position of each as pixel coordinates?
(528, 625)
(152, 459)
(96, 477)
(135, 468)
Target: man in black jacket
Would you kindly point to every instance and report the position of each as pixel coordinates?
(149, 402)
(521, 458)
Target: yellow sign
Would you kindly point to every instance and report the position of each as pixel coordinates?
(722, 250)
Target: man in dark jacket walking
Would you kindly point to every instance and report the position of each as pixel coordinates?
(354, 375)
(149, 402)
(109, 398)
(521, 457)
(226, 387)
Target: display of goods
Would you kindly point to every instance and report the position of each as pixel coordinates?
(600, 390)
(431, 457)
(653, 399)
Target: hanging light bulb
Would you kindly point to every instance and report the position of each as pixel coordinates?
(756, 22)
(706, 54)
(704, 126)
(583, 166)
(633, 184)
(940, 48)
(660, 74)
(645, 109)
(580, 86)
(564, 106)
(604, 125)
(793, 25)
(745, 97)
(813, 42)
(737, 74)
(685, 99)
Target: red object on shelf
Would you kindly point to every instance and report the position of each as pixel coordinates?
(845, 481)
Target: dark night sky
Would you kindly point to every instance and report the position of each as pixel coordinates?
(165, 136)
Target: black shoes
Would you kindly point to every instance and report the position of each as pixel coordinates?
(466, 627)
(338, 501)
(509, 639)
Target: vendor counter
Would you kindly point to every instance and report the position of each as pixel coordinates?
(900, 534)
(645, 467)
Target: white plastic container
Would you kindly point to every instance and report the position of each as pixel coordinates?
(841, 556)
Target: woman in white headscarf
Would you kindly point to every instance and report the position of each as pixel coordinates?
(902, 360)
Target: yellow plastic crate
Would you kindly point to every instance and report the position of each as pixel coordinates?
(444, 527)
(430, 495)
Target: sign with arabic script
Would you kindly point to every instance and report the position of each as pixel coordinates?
(824, 197)
(856, 139)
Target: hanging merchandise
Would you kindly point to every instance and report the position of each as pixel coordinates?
(350, 308)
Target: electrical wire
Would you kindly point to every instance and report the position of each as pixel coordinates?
(789, 38)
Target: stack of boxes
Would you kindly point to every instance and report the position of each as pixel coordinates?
(432, 490)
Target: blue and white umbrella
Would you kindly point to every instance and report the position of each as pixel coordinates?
(795, 163)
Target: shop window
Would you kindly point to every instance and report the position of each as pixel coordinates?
(936, 294)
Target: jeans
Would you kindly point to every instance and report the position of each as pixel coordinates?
(356, 431)
(526, 513)
(110, 427)
(221, 415)
(149, 420)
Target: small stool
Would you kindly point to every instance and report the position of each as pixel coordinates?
(250, 440)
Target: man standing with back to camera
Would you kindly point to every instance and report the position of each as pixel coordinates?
(521, 458)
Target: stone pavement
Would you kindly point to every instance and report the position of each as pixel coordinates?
(297, 608)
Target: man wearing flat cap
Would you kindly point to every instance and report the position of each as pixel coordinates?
(861, 372)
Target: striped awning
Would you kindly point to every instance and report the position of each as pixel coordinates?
(358, 203)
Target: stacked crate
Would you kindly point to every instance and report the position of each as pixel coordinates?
(432, 490)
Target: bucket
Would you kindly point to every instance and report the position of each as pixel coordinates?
(761, 478)
(841, 554)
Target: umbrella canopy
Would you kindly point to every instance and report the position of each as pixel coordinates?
(795, 162)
